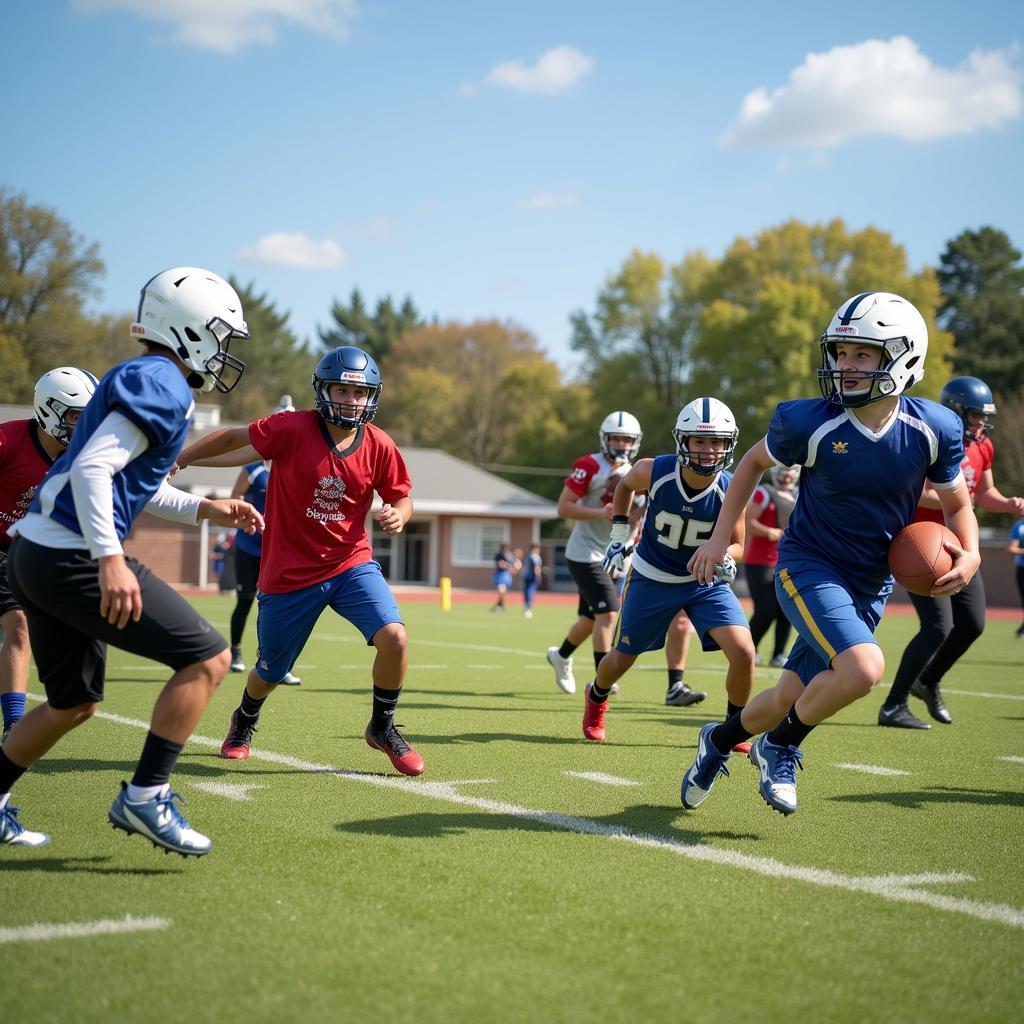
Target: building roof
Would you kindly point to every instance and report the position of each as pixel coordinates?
(442, 484)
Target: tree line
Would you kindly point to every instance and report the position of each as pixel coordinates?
(743, 328)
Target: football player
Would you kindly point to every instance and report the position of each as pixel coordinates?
(328, 463)
(949, 625)
(866, 449)
(69, 572)
(27, 450)
(686, 489)
(586, 499)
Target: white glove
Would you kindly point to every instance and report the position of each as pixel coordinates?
(614, 558)
(725, 571)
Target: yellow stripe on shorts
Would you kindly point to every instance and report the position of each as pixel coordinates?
(622, 604)
(790, 587)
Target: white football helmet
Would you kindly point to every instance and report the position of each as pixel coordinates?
(195, 314)
(58, 392)
(623, 424)
(285, 405)
(705, 417)
(879, 319)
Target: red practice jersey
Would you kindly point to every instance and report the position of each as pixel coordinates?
(977, 458)
(318, 500)
(23, 464)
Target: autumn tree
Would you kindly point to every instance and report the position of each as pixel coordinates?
(376, 332)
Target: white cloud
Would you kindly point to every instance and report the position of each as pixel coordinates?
(548, 200)
(228, 25)
(281, 249)
(880, 87)
(555, 71)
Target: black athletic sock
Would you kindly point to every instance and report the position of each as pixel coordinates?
(9, 773)
(157, 762)
(384, 704)
(597, 695)
(790, 732)
(250, 706)
(732, 709)
(725, 736)
(567, 648)
(599, 656)
(675, 677)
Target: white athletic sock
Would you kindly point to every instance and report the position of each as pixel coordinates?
(3, 800)
(138, 794)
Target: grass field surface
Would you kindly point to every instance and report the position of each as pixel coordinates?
(528, 875)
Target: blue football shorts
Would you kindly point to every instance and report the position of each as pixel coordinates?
(648, 608)
(285, 621)
(827, 614)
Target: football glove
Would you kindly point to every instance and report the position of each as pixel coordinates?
(614, 559)
(725, 571)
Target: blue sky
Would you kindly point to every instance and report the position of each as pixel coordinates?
(500, 159)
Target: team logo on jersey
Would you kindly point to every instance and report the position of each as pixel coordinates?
(840, 448)
(326, 504)
(624, 639)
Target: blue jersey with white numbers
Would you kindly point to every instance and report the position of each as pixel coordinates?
(677, 522)
(858, 489)
(152, 393)
(256, 495)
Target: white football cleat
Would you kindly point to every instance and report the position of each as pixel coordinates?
(564, 679)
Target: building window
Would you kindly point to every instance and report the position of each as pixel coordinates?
(477, 541)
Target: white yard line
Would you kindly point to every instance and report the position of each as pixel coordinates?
(82, 929)
(895, 889)
(871, 769)
(1012, 758)
(231, 790)
(605, 780)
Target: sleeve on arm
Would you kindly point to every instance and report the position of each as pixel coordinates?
(115, 442)
(582, 472)
(945, 471)
(785, 441)
(144, 401)
(393, 480)
(178, 506)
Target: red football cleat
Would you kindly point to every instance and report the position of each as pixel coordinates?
(236, 744)
(742, 748)
(390, 741)
(593, 717)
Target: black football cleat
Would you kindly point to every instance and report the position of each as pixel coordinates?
(932, 696)
(899, 716)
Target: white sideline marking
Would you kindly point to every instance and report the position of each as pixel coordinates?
(980, 693)
(1013, 758)
(895, 888)
(83, 929)
(232, 790)
(491, 666)
(871, 769)
(606, 780)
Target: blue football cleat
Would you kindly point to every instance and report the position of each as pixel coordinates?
(777, 766)
(13, 833)
(706, 767)
(160, 822)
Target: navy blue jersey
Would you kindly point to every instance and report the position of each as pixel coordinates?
(858, 489)
(256, 495)
(676, 523)
(151, 392)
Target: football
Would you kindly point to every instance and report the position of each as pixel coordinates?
(917, 557)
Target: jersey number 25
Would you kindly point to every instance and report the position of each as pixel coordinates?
(670, 530)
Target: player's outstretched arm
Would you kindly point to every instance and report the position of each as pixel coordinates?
(228, 442)
(991, 499)
(741, 488)
(960, 518)
(231, 512)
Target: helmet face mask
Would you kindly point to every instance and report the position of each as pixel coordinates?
(196, 314)
(620, 425)
(876, 320)
(59, 393)
(705, 417)
(966, 395)
(351, 366)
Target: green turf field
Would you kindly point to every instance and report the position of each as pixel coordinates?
(507, 884)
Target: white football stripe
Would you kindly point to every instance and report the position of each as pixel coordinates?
(871, 769)
(82, 929)
(1012, 758)
(232, 790)
(606, 780)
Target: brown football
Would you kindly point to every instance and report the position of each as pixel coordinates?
(917, 557)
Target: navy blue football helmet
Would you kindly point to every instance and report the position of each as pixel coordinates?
(346, 365)
(969, 394)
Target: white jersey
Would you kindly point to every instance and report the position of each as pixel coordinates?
(593, 478)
